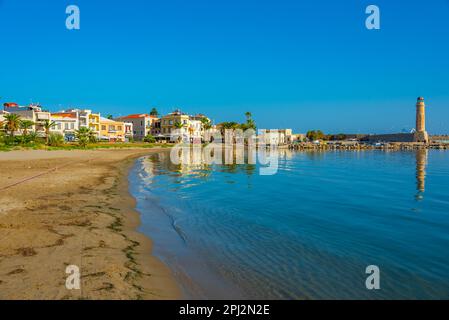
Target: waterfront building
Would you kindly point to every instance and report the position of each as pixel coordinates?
(178, 125)
(32, 112)
(112, 131)
(3, 113)
(87, 119)
(142, 124)
(196, 122)
(178, 121)
(156, 128)
(276, 136)
(129, 131)
(66, 123)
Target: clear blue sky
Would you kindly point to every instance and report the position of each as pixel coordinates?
(299, 64)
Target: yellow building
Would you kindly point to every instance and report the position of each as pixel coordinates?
(186, 127)
(94, 122)
(112, 131)
(171, 122)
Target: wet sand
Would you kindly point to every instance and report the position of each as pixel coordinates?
(64, 208)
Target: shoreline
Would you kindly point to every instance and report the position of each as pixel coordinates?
(84, 215)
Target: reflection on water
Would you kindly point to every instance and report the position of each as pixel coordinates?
(421, 163)
(308, 232)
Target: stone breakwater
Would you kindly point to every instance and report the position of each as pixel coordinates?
(361, 146)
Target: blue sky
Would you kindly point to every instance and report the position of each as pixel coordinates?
(299, 64)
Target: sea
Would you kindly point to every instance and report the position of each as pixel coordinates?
(348, 225)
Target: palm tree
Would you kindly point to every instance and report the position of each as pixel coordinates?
(48, 125)
(229, 126)
(178, 125)
(25, 125)
(206, 123)
(250, 124)
(12, 124)
(154, 112)
(85, 135)
(32, 136)
(92, 136)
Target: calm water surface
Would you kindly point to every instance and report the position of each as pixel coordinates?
(308, 232)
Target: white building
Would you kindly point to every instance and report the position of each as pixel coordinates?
(33, 113)
(143, 124)
(276, 136)
(66, 123)
(2, 115)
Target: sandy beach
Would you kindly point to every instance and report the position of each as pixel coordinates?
(64, 208)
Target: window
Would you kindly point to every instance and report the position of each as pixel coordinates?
(103, 128)
(119, 128)
(185, 121)
(66, 126)
(170, 122)
(111, 128)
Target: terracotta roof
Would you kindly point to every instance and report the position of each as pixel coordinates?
(136, 116)
(64, 115)
(10, 104)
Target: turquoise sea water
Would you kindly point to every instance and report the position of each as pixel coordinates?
(307, 232)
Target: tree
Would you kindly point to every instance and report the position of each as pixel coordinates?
(229, 126)
(340, 136)
(26, 125)
(250, 124)
(2, 134)
(178, 125)
(315, 135)
(154, 112)
(32, 137)
(84, 136)
(12, 123)
(55, 139)
(149, 138)
(110, 117)
(48, 125)
(206, 123)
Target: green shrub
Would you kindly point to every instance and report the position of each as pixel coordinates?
(9, 141)
(34, 137)
(55, 139)
(149, 138)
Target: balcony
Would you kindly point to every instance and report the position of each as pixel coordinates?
(43, 116)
